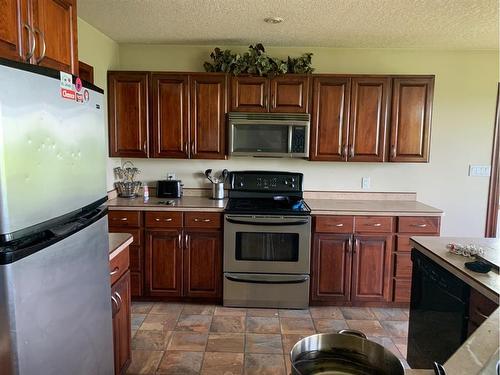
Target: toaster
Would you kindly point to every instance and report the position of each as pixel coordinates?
(169, 189)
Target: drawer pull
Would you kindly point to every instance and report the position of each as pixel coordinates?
(340, 225)
(197, 220)
(419, 225)
(121, 219)
(374, 225)
(168, 219)
(481, 314)
(115, 271)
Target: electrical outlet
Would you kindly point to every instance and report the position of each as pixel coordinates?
(365, 183)
(479, 170)
(170, 176)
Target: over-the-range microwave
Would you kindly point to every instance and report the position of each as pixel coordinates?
(269, 134)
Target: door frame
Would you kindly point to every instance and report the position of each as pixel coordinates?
(494, 190)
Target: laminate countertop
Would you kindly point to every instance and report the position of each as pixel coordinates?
(318, 206)
(479, 352)
(118, 242)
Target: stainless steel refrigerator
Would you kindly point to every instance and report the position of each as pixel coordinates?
(55, 307)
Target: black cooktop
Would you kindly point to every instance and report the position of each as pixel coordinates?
(278, 205)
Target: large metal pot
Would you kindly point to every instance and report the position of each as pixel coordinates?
(345, 352)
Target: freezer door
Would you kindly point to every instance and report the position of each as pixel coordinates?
(55, 308)
(52, 149)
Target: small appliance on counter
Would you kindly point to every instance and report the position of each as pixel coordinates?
(217, 183)
(169, 188)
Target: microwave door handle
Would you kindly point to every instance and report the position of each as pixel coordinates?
(290, 136)
(253, 221)
(266, 279)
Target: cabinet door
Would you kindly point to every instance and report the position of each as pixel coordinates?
(164, 263)
(249, 94)
(290, 93)
(14, 32)
(411, 119)
(331, 267)
(203, 264)
(128, 114)
(371, 271)
(330, 118)
(55, 26)
(170, 127)
(208, 116)
(368, 118)
(120, 302)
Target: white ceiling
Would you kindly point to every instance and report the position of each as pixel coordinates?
(448, 24)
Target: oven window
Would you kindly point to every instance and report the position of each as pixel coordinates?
(260, 138)
(267, 247)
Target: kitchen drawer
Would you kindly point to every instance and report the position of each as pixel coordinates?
(402, 290)
(403, 242)
(334, 224)
(402, 265)
(136, 258)
(164, 219)
(124, 218)
(373, 224)
(202, 220)
(119, 265)
(418, 224)
(136, 233)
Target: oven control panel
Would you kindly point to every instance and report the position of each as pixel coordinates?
(266, 181)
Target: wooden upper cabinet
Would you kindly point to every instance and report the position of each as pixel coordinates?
(411, 119)
(203, 264)
(249, 94)
(86, 72)
(55, 28)
(330, 118)
(164, 263)
(289, 94)
(14, 32)
(331, 267)
(371, 268)
(128, 114)
(368, 118)
(170, 116)
(207, 116)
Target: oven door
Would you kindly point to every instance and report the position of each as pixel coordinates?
(267, 244)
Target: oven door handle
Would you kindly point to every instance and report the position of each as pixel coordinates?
(275, 222)
(266, 279)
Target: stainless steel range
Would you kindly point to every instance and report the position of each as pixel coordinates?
(267, 240)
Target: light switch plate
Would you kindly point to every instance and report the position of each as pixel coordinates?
(365, 183)
(170, 176)
(479, 170)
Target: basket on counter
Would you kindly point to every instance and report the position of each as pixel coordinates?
(127, 187)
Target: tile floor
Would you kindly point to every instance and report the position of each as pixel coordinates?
(175, 338)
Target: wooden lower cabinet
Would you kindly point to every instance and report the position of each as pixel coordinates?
(164, 263)
(371, 268)
(203, 264)
(480, 308)
(121, 297)
(331, 267)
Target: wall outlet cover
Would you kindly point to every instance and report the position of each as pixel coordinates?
(479, 170)
(365, 183)
(170, 176)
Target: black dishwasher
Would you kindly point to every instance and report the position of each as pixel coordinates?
(438, 313)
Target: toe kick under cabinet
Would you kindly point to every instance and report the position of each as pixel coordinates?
(364, 260)
(176, 255)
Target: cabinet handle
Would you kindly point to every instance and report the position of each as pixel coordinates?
(168, 219)
(186, 240)
(121, 219)
(144, 145)
(481, 314)
(340, 225)
(351, 151)
(180, 240)
(44, 45)
(113, 299)
(115, 271)
(186, 149)
(349, 248)
(343, 152)
(119, 300)
(374, 225)
(197, 220)
(356, 244)
(31, 34)
(192, 148)
(419, 225)
(393, 151)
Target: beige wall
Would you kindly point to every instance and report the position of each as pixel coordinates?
(464, 104)
(96, 49)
